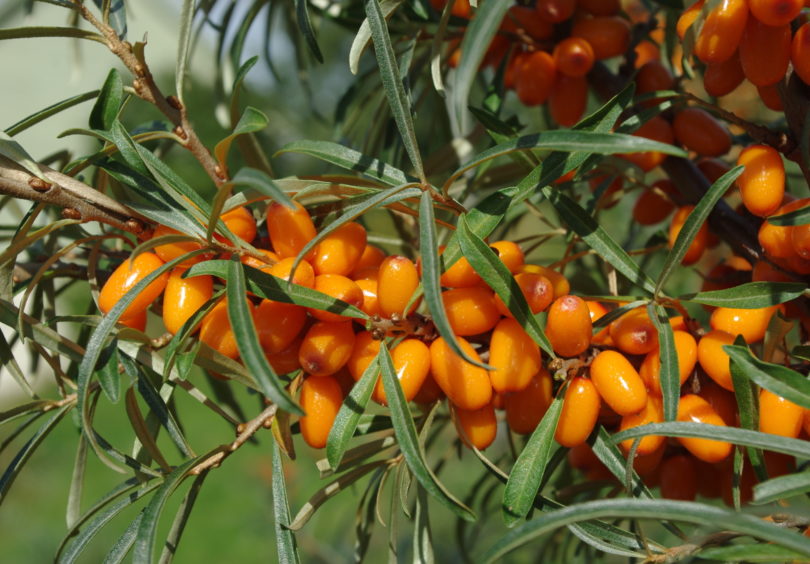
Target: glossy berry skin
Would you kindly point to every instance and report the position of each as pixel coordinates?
(326, 347)
(699, 131)
(775, 12)
(466, 385)
(723, 78)
(574, 57)
(170, 251)
(609, 36)
(137, 322)
(216, 330)
(765, 52)
(657, 129)
(289, 229)
(686, 350)
(559, 282)
(286, 361)
(510, 253)
(634, 332)
(579, 412)
(183, 297)
(535, 78)
(514, 355)
(762, 183)
(679, 478)
(779, 416)
(654, 205)
(429, 393)
(278, 324)
(241, 223)
(750, 323)
(320, 399)
(460, 275)
(555, 11)
(693, 408)
(364, 351)
(470, 311)
(568, 100)
(397, 281)
(698, 244)
(125, 277)
(476, 428)
(618, 383)
(713, 359)
(568, 326)
(799, 47)
(370, 305)
(525, 408)
(776, 240)
(687, 18)
(536, 289)
(371, 257)
(411, 359)
(340, 251)
(653, 412)
(341, 288)
(266, 265)
(722, 31)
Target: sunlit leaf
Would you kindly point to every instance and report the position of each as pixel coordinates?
(751, 295)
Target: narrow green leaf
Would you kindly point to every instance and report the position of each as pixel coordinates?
(783, 487)
(49, 31)
(398, 98)
(285, 539)
(247, 341)
(305, 26)
(123, 545)
(749, 553)
(74, 503)
(108, 375)
(422, 537)
(752, 295)
(693, 224)
(524, 479)
(181, 519)
(605, 449)
(363, 36)
(252, 120)
(405, 431)
(105, 110)
(776, 378)
(51, 110)
(183, 46)
(12, 150)
(795, 217)
(669, 373)
(146, 436)
(261, 182)
(748, 411)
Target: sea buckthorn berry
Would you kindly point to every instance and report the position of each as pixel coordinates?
(568, 326)
(698, 244)
(241, 223)
(263, 265)
(608, 35)
(216, 330)
(779, 416)
(568, 100)
(634, 332)
(769, 94)
(799, 47)
(778, 463)
(470, 311)
(653, 76)
(466, 385)
(339, 287)
(722, 31)
(461, 274)
(510, 253)
(765, 52)
(722, 401)
(396, 284)
(574, 56)
(657, 129)
(429, 392)
(775, 12)
(537, 290)
(596, 309)
(511, 70)
(687, 18)
(411, 359)
(326, 347)
(646, 51)
(800, 240)
(183, 297)
(525, 408)
(320, 399)
(693, 408)
(686, 349)
(558, 282)
(579, 412)
(618, 383)
(286, 361)
(460, 8)
(477, 427)
(170, 251)
(654, 204)
(514, 355)
(370, 305)
(125, 277)
(367, 273)
(556, 11)
(727, 274)
(723, 78)
(776, 239)
(699, 131)
(679, 478)
(713, 168)
(529, 21)
(762, 183)
(137, 322)
(289, 229)
(534, 78)
(372, 257)
(364, 351)
(750, 323)
(713, 359)
(340, 251)
(652, 412)
(304, 273)
(278, 324)
(766, 272)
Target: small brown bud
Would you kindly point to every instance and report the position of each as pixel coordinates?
(174, 102)
(137, 84)
(140, 69)
(71, 213)
(219, 172)
(180, 132)
(267, 423)
(135, 225)
(38, 184)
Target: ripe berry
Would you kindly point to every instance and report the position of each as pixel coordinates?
(477, 427)
(608, 35)
(170, 251)
(799, 47)
(514, 355)
(779, 416)
(263, 265)
(568, 326)
(713, 359)
(320, 399)
(536, 289)
(686, 350)
(652, 412)
(510, 253)
(125, 277)
(687, 18)
(216, 330)
(529, 21)
(699, 131)
(720, 79)
(568, 100)
(618, 383)
(657, 129)
(411, 359)
(525, 408)
(579, 412)
(304, 274)
(241, 223)
(634, 332)
(775, 12)
(698, 244)
(654, 205)
(765, 52)
(679, 478)
(326, 347)
(460, 275)
(558, 282)
(556, 11)
(396, 284)
(600, 7)
(286, 361)
(466, 385)
(364, 351)
(289, 229)
(534, 78)
(762, 183)
(776, 239)
(339, 287)
(372, 257)
(470, 311)
(750, 323)
(370, 304)
(574, 57)
(696, 409)
(278, 324)
(722, 31)
(183, 297)
(340, 251)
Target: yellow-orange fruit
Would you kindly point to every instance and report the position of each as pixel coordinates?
(514, 355)
(568, 100)
(608, 35)
(263, 265)
(326, 347)
(799, 47)
(574, 57)
(634, 332)
(679, 478)
(510, 253)
(800, 240)
(125, 277)
(372, 257)
(779, 416)
(727, 274)
(466, 385)
(750, 323)
(568, 326)
(775, 12)
(170, 251)
(304, 274)
(534, 78)
(654, 205)
(698, 244)
(138, 322)
(722, 401)
(762, 183)
(525, 408)
(460, 274)
(646, 51)
(657, 129)
(289, 229)
(723, 78)
(722, 31)
(470, 311)
(699, 131)
(776, 239)
(477, 427)
(618, 383)
(693, 408)
(278, 324)
(653, 76)
(216, 330)
(429, 392)
(555, 11)
(396, 283)
(183, 297)
(528, 20)
(339, 287)
(286, 361)
(686, 350)
(364, 351)
(765, 52)
(687, 18)
(340, 251)
(411, 359)
(370, 305)
(579, 412)
(713, 359)
(558, 282)
(652, 412)
(769, 94)
(320, 399)
(241, 223)
(537, 290)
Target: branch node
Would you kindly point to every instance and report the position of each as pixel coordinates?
(180, 132)
(220, 173)
(38, 184)
(71, 213)
(174, 102)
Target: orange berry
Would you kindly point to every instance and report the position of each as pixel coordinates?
(574, 57)
(534, 78)
(568, 100)
(799, 47)
(460, 275)
(568, 326)
(138, 322)
(654, 205)
(364, 351)
(579, 412)
(653, 76)
(264, 266)
(241, 223)
(396, 284)
(286, 361)
(779, 416)
(600, 7)
(510, 253)
(304, 274)
(618, 383)
(326, 347)
(514, 355)
(340, 251)
(800, 240)
(712, 168)
(529, 20)
(775, 12)
(686, 349)
(595, 309)
(608, 35)
(537, 290)
(183, 297)
(722, 78)
(430, 391)
(646, 51)
(776, 239)
(370, 305)
(372, 257)
(470, 311)
(634, 332)
(698, 244)
(722, 31)
(558, 282)
(466, 385)
(652, 412)
(289, 229)
(339, 287)
(722, 401)
(679, 478)
(693, 408)
(320, 399)
(125, 277)
(750, 323)
(216, 330)
(687, 18)
(555, 11)
(713, 359)
(657, 129)
(278, 324)
(411, 359)
(765, 52)
(476, 427)
(699, 131)
(525, 408)
(769, 94)
(170, 251)
(762, 183)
